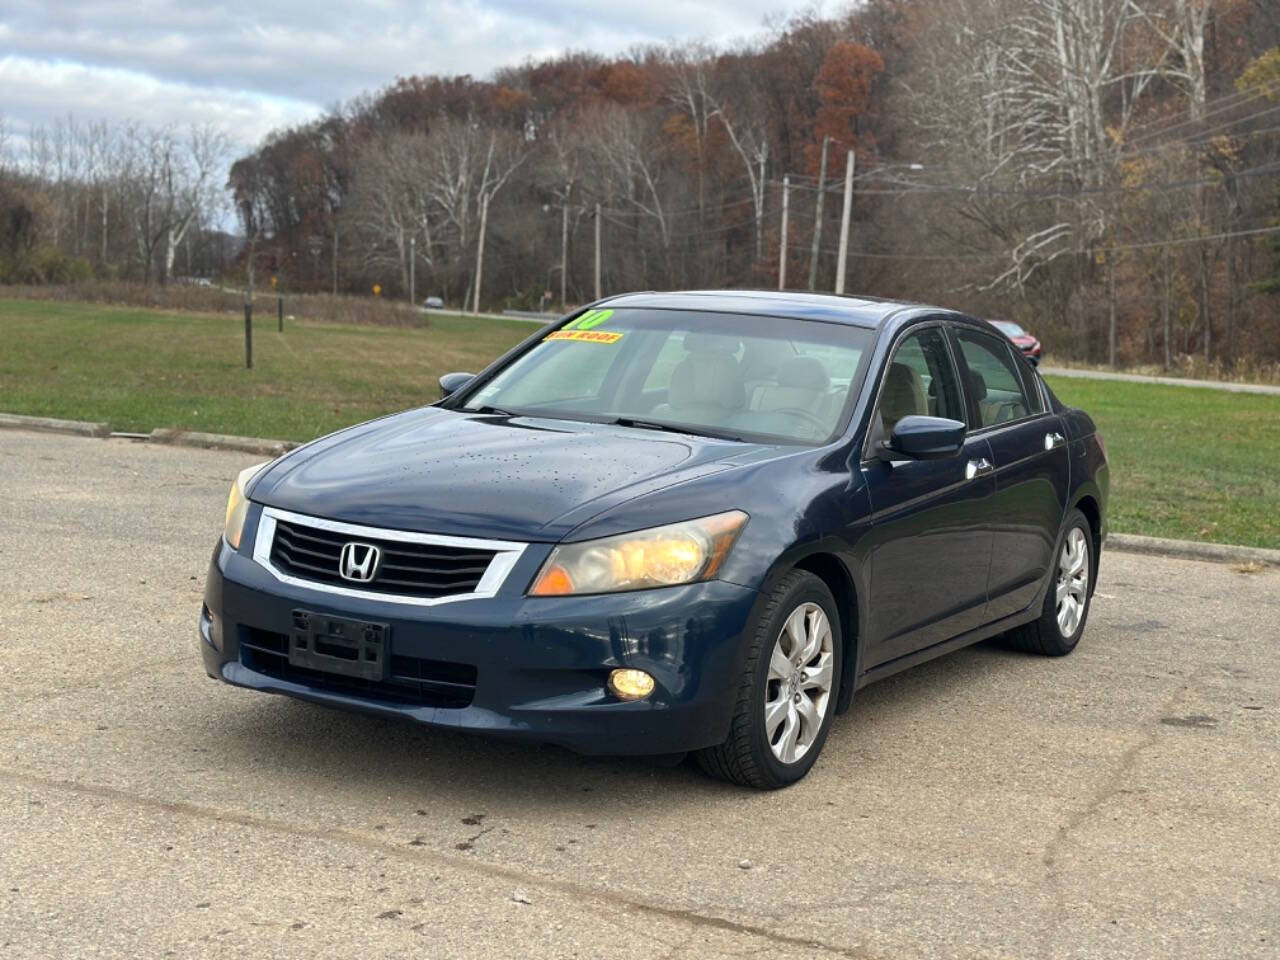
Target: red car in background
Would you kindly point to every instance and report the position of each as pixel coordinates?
(1024, 341)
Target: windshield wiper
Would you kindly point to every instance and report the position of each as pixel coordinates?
(642, 424)
(491, 409)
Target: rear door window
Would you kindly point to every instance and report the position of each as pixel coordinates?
(995, 381)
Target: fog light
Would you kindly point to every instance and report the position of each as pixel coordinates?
(630, 684)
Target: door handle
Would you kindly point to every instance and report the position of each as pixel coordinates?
(977, 468)
(1052, 440)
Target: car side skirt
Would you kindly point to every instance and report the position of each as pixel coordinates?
(918, 657)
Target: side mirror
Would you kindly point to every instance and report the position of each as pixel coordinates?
(925, 438)
(453, 382)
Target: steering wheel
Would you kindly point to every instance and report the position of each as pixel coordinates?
(813, 419)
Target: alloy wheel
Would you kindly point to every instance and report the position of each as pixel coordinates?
(798, 687)
(1073, 581)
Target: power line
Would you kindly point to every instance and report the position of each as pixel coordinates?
(1113, 248)
(1212, 108)
(1200, 136)
(1059, 193)
(1182, 241)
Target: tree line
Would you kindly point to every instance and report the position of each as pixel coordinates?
(129, 201)
(1105, 171)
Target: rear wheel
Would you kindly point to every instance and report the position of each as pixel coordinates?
(786, 693)
(1057, 630)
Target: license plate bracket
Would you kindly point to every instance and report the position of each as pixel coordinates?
(349, 648)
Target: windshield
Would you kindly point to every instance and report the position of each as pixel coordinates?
(1009, 328)
(754, 378)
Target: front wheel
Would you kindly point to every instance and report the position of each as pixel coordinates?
(1066, 604)
(786, 693)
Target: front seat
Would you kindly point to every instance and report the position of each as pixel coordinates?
(707, 385)
(802, 385)
(903, 396)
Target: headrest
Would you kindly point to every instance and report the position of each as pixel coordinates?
(979, 385)
(900, 375)
(711, 343)
(806, 372)
(713, 380)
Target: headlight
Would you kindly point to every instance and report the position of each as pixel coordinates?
(238, 505)
(676, 553)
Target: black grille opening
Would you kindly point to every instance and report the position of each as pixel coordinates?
(414, 681)
(407, 569)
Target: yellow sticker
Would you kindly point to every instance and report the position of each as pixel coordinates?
(585, 336)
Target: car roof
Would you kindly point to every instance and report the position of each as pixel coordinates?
(870, 312)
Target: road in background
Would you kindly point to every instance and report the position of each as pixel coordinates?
(1121, 802)
(1227, 385)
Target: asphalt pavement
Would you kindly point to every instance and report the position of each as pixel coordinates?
(1120, 802)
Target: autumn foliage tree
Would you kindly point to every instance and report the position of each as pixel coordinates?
(846, 85)
(1015, 158)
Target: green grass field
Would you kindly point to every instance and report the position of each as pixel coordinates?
(140, 369)
(1186, 463)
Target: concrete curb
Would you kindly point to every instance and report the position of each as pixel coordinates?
(220, 441)
(1125, 542)
(1192, 549)
(80, 428)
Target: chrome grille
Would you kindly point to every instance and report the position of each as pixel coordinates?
(411, 567)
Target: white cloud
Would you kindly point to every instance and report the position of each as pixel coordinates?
(53, 89)
(249, 65)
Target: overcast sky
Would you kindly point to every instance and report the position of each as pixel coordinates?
(251, 65)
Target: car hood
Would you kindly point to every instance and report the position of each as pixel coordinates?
(520, 478)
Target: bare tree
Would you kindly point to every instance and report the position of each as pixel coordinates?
(627, 167)
(741, 111)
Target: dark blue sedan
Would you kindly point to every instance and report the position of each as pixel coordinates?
(671, 522)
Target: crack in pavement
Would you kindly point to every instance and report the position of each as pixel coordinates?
(633, 902)
(1110, 788)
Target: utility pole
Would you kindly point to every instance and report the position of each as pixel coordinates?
(1111, 330)
(1229, 356)
(817, 216)
(413, 257)
(484, 221)
(1168, 320)
(782, 241)
(843, 256)
(335, 260)
(564, 251)
(598, 294)
(248, 304)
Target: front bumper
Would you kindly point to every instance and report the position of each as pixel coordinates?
(540, 664)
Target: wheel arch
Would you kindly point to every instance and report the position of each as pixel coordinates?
(1088, 504)
(831, 570)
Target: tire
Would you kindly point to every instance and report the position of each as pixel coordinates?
(1050, 634)
(753, 754)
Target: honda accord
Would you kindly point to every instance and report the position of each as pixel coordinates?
(669, 523)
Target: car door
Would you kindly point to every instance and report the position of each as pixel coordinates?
(930, 542)
(1030, 455)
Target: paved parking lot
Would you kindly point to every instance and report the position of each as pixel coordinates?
(1121, 802)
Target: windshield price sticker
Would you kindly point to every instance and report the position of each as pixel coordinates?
(585, 336)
